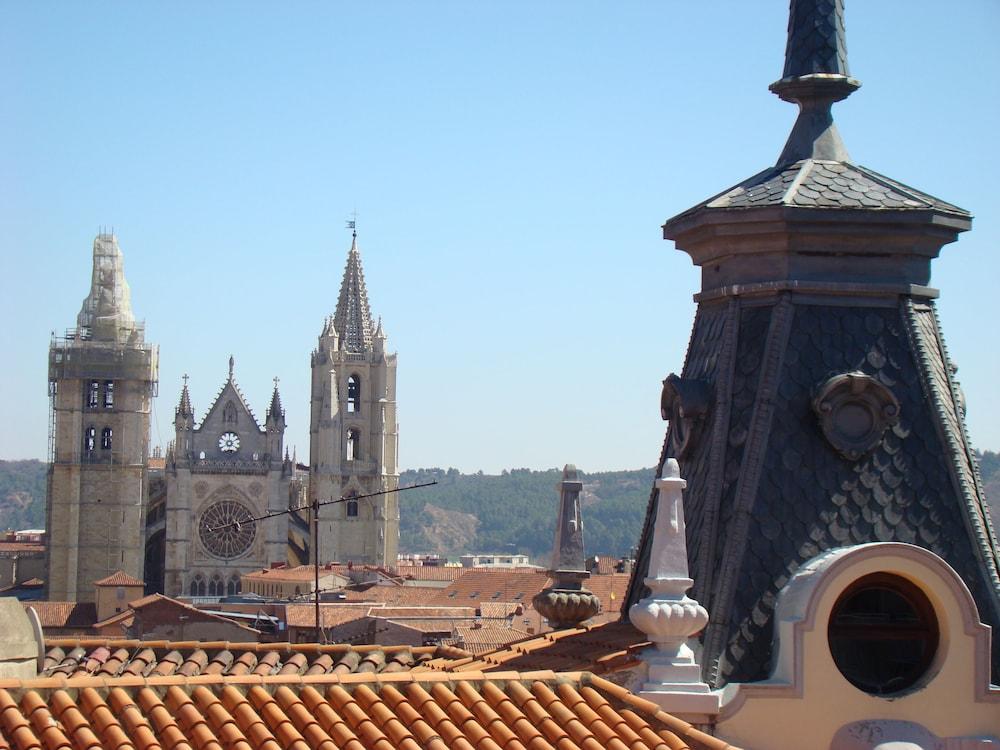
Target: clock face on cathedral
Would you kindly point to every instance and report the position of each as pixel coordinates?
(229, 442)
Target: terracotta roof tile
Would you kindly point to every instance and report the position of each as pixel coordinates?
(75, 615)
(394, 595)
(75, 658)
(600, 649)
(430, 572)
(119, 578)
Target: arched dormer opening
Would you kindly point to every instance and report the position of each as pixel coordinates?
(354, 393)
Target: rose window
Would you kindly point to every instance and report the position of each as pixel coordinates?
(227, 529)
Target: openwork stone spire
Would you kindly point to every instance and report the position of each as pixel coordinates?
(815, 77)
(184, 407)
(353, 318)
(106, 314)
(275, 410)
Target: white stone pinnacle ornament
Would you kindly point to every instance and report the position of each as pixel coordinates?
(668, 615)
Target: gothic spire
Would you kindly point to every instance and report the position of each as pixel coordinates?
(353, 318)
(274, 411)
(184, 407)
(815, 77)
(106, 314)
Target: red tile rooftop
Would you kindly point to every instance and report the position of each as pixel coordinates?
(465, 711)
(119, 578)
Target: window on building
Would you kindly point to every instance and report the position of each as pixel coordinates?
(229, 413)
(90, 439)
(883, 634)
(106, 438)
(353, 394)
(93, 393)
(352, 508)
(233, 586)
(353, 445)
(109, 394)
(215, 586)
(197, 587)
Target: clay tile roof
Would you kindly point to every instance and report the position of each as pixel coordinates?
(77, 615)
(93, 657)
(392, 613)
(22, 547)
(600, 649)
(498, 610)
(483, 584)
(298, 573)
(541, 710)
(119, 578)
(304, 615)
(430, 572)
(393, 595)
(487, 638)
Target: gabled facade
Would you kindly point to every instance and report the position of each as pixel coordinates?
(102, 379)
(353, 433)
(221, 473)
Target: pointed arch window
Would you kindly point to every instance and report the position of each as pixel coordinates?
(352, 505)
(229, 413)
(106, 435)
(92, 394)
(197, 587)
(233, 587)
(109, 394)
(215, 586)
(90, 439)
(354, 394)
(353, 444)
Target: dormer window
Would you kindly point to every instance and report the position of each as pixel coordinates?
(353, 394)
(883, 634)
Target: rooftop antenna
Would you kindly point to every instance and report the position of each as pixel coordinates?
(352, 223)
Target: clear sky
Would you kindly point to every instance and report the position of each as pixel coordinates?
(511, 164)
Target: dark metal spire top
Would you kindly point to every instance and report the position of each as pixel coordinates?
(815, 76)
(817, 42)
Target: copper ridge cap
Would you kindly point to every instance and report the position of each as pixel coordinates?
(815, 76)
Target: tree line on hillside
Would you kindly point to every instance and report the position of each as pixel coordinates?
(513, 512)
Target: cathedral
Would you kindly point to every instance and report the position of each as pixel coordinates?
(187, 529)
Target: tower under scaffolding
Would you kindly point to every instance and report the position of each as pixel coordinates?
(102, 379)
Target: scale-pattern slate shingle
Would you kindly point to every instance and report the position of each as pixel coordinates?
(816, 39)
(813, 183)
(809, 498)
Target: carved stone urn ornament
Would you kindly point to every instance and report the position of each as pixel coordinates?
(854, 411)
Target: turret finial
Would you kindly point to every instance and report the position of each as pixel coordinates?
(816, 76)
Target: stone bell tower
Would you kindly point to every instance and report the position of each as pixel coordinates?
(102, 379)
(353, 434)
(817, 407)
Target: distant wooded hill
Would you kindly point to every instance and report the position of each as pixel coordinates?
(512, 512)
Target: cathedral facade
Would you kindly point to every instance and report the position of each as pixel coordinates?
(220, 474)
(190, 530)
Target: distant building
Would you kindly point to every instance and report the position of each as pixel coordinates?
(495, 561)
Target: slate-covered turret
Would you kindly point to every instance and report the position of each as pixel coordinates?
(817, 406)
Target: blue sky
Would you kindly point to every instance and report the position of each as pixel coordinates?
(510, 163)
